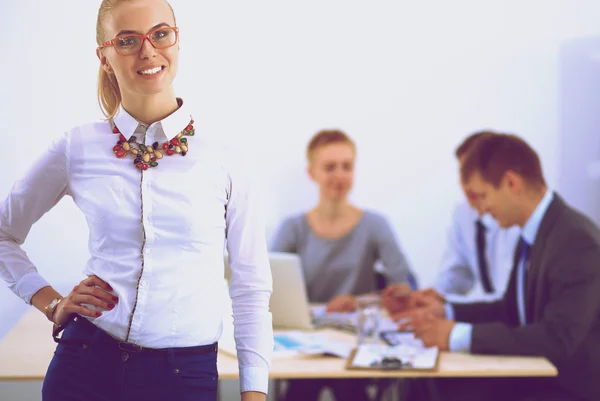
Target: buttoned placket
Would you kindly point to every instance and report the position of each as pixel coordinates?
(148, 135)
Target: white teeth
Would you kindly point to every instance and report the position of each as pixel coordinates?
(151, 71)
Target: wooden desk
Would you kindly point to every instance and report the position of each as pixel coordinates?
(26, 351)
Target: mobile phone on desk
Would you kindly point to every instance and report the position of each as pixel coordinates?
(393, 337)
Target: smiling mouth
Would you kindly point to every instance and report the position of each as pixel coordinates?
(151, 71)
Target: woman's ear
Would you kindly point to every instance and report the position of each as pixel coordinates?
(104, 61)
(309, 171)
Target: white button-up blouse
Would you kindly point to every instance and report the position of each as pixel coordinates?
(156, 236)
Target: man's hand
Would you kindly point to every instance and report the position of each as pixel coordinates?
(397, 298)
(342, 303)
(434, 332)
(431, 293)
(399, 305)
(253, 396)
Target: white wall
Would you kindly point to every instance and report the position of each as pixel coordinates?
(408, 80)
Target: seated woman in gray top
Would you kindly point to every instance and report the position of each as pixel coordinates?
(338, 245)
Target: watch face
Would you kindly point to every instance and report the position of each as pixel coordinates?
(52, 304)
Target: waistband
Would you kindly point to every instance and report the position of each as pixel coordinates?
(101, 336)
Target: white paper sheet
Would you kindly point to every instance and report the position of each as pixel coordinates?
(410, 350)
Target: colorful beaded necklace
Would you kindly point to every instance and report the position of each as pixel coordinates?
(148, 155)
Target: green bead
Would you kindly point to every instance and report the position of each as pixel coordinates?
(183, 140)
(142, 147)
(191, 132)
(132, 139)
(153, 164)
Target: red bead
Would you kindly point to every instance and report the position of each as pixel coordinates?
(145, 166)
(116, 130)
(153, 159)
(117, 148)
(122, 138)
(139, 165)
(175, 141)
(192, 121)
(121, 153)
(189, 127)
(170, 152)
(165, 145)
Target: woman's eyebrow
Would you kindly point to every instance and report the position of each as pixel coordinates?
(125, 32)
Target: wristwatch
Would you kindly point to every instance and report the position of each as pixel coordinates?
(51, 307)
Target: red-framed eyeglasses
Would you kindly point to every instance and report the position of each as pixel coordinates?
(131, 43)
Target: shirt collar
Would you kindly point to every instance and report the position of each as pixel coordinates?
(170, 126)
(488, 221)
(530, 229)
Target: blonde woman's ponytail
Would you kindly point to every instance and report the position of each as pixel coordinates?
(109, 94)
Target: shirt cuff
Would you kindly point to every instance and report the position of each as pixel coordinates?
(440, 288)
(449, 311)
(460, 337)
(254, 378)
(28, 285)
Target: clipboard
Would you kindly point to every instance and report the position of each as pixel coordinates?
(425, 359)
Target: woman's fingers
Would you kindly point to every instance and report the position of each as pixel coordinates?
(350, 304)
(71, 308)
(79, 299)
(342, 303)
(91, 291)
(96, 292)
(95, 281)
(66, 308)
(96, 287)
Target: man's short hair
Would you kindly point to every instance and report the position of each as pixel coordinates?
(469, 141)
(493, 155)
(327, 137)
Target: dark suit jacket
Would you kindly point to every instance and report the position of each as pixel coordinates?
(562, 304)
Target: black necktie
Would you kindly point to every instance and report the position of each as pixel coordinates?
(524, 247)
(483, 266)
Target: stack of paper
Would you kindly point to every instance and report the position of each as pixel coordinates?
(338, 320)
(346, 321)
(291, 344)
(309, 343)
(410, 351)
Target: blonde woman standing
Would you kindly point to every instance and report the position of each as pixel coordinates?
(160, 201)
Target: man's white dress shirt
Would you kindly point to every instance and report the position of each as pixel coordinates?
(459, 276)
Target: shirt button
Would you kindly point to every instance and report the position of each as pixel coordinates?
(144, 283)
(136, 317)
(148, 251)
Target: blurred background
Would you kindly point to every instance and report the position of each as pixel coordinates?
(406, 80)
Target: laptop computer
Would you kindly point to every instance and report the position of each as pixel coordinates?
(289, 301)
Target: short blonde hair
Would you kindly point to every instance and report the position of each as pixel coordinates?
(327, 137)
(109, 93)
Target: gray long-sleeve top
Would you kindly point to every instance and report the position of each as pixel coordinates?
(343, 265)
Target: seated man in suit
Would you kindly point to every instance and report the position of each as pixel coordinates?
(552, 304)
(478, 257)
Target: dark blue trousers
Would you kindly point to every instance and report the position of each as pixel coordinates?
(97, 370)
